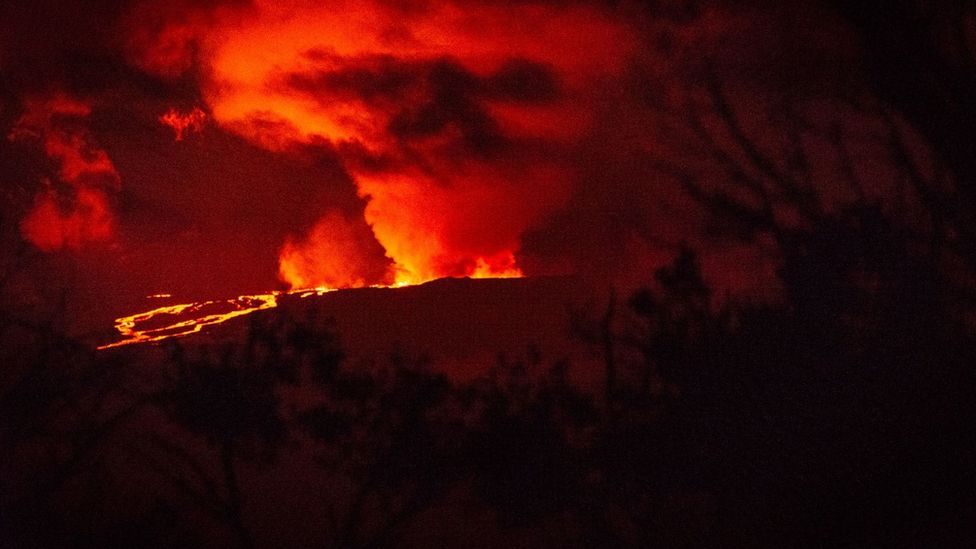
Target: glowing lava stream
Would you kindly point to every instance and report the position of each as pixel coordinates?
(128, 326)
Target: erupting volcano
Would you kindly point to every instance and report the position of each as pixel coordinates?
(457, 126)
(266, 147)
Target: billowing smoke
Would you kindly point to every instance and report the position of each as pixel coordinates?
(73, 208)
(335, 254)
(458, 124)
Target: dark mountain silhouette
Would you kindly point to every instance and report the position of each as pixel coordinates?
(461, 323)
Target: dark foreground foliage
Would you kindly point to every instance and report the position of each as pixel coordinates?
(841, 416)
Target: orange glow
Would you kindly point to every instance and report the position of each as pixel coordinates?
(463, 224)
(182, 122)
(314, 261)
(500, 267)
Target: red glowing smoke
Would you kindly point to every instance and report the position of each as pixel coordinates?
(458, 124)
(330, 256)
(181, 123)
(74, 207)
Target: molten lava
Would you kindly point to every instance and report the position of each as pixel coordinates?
(189, 318)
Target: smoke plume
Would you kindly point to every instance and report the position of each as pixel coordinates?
(457, 123)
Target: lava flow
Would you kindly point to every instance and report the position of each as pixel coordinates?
(165, 322)
(184, 319)
(189, 318)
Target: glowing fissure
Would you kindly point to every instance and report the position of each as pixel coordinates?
(131, 332)
(141, 328)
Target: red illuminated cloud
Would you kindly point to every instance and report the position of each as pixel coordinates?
(181, 123)
(74, 207)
